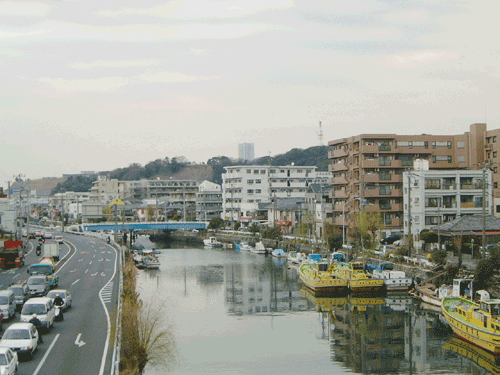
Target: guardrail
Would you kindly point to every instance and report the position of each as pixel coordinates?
(115, 360)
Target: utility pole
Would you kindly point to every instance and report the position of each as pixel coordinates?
(484, 166)
(410, 237)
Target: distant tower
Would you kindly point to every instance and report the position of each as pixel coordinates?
(320, 135)
(245, 152)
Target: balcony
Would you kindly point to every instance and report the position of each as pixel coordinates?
(337, 167)
(341, 194)
(376, 193)
(337, 153)
(339, 181)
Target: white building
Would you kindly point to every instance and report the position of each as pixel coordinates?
(246, 152)
(245, 186)
(438, 196)
(208, 201)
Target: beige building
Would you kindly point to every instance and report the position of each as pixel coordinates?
(368, 168)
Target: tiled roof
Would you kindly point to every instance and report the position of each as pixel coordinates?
(469, 223)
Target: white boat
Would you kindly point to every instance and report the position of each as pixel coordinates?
(243, 246)
(296, 257)
(261, 249)
(393, 280)
(151, 262)
(278, 253)
(212, 242)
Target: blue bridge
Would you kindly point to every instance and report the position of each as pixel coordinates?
(166, 225)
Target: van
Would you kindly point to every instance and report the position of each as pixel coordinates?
(43, 307)
(7, 304)
(21, 293)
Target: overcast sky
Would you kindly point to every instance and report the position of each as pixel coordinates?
(98, 85)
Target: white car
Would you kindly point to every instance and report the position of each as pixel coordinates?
(65, 295)
(8, 361)
(21, 337)
(59, 239)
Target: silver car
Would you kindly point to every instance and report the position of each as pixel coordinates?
(38, 285)
(64, 294)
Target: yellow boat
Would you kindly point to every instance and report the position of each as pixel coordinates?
(483, 358)
(358, 280)
(319, 278)
(323, 303)
(478, 323)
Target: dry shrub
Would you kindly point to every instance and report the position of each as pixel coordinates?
(145, 340)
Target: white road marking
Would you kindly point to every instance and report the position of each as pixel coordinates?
(103, 274)
(78, 341)
(15, 276)
(87, 270)
(73, 270)
(60, 268)
(100, 260)
(46, 355)
(105, 351)
(94, 274)
(74, 282)
(91, 262)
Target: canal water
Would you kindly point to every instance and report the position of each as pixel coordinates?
(243, 313)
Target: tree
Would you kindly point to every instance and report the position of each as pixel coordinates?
(150, 213)
(216, 223)
(272, 233)
(254, 229)
(333, 237)
(439, 257)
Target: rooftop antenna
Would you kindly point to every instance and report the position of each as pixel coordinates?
(320, 135)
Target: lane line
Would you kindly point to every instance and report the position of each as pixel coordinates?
(46, 355)
(60, 268)
(74, 282)
(105, 352)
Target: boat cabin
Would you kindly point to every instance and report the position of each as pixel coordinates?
(491, 306)
(387, 266)
(462, 288)
(338, 257)
(357, 266)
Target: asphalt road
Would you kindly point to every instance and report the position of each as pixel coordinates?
(82, 343)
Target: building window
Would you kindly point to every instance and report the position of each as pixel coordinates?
(258, 191)
(385, 190)
(495, 185)
(249, 171)
(255, 171)
(461, 158)
(258, 181)
(494, 139)
(498, 209)
(272, 171)
(262, 171)
(449, 144)
(494, 154)
(249, 181)
(461, 144)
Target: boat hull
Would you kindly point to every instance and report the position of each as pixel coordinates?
(322, 281)
(366, 286)
(465, 326)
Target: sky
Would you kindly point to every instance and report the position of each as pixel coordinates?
(98, 85)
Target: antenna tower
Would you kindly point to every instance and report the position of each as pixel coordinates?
(320, 135)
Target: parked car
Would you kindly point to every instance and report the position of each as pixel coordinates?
(8, 361)
(64, 294)
(389, 240)
(43, 307)
(38, 285)
(22, 338)
(21, 293)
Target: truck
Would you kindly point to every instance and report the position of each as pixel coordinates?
(11, 254)
(45, 267)
(51, 251)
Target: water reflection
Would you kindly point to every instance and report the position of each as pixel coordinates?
(217, 295)
(477, 360)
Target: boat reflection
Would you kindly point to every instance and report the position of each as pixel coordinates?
(483, 361)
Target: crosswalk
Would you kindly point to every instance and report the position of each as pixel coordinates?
(107, 293)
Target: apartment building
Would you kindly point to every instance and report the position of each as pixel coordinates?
(368, 169)
(435, 197)
(245, 186)
(208, 201)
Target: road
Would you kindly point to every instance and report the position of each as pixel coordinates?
(82, 343)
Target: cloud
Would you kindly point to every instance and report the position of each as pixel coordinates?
(196, 10)
(414, 59)
(113, 84)
(112, 64)
(406, 17)
(23, 9)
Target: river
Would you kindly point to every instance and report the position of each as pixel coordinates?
(243, 313)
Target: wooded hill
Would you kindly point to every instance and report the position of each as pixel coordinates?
(181, 168)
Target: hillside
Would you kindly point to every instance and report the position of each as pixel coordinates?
(181, 168)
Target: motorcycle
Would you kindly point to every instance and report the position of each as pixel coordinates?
(38, 250)
(58, 316)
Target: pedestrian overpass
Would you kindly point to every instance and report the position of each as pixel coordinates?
(164, 225)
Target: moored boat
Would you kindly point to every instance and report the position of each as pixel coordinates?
(212, 242)
(296, 257)
(478, 323)
(434, 296)
(278, 253)
(260, 249)
(358, 280)
(319, 278)
(483, 358)
(394, 281)
(242, 246)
